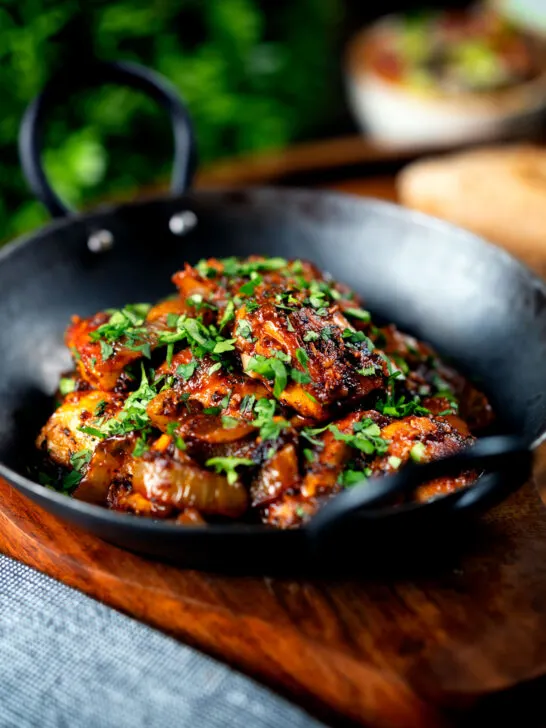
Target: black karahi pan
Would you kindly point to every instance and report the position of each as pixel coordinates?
(470, 300)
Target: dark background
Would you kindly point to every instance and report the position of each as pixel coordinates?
(256, 74)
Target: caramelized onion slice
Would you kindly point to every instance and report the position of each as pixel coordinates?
(180, 482)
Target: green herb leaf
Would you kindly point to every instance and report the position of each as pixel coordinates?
(80, 459)
(247, 404)
(228, 423)
(225, 400)
(106, 350)
(228, 314)
(93, 431)
(367, 371)
(70, 480)
(100, 409)
(212, 410)
(418, 452)
(140, 447)
(247, 289)
(366, 437)
(67, 385)
(270, 426)
(308, 454)
(271, 369)
(300, 377)
(358, 313)
(178, 441)
(244, 329)
(186, 371)
(349, 477)
(228, 465)
(301, 356)
(224, 345)
(311, 336)
(394, 462)
(172, 320)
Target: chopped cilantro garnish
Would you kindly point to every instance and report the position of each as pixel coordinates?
(100, 409)
(228, 314)
(186, 370)
(67, 385)
(358, 313)
(224, 345)
(70, 480)
(270, 428)
(418, 452)
(299, 377)
(126, 323)
(248, 288)
(212, 410)
(271, 369)
(367, 371)
(247, 404)
(178, 441)
(244, 329)
(106, 350)
(309, 434)
(228, 465)
(394, 462)
(350, 477)
(251, 306)
(80, 459)
(400, 362)
(301, 356)
(311, 336)
(140, 447)
(93, 431)
(308, 454)
(215, 367)
(133, 415)
(366, 437)
(229, 423)
(172, 320)
(400, 408)
(145, 349)
(283, 356)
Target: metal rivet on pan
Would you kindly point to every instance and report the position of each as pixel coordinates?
(182, 222)
(100, 241)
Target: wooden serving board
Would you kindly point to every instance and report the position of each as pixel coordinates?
(457, 640)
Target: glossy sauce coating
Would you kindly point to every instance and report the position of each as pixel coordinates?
(257, 392)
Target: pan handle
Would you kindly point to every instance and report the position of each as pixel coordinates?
(508, 454)
(95, 74)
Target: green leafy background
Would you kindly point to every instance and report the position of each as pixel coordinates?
(255, 75)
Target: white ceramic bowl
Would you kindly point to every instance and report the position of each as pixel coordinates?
(394, 114)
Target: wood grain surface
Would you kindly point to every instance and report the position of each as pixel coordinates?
(459, 640)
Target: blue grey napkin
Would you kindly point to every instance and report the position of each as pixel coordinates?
(67, 661)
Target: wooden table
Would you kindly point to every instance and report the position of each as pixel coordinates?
(455, 641)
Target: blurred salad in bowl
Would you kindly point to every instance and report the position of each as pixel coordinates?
(449, 76)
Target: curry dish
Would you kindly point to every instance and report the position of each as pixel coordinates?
(258, 391)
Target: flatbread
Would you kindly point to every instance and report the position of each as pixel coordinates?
(498, 192)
